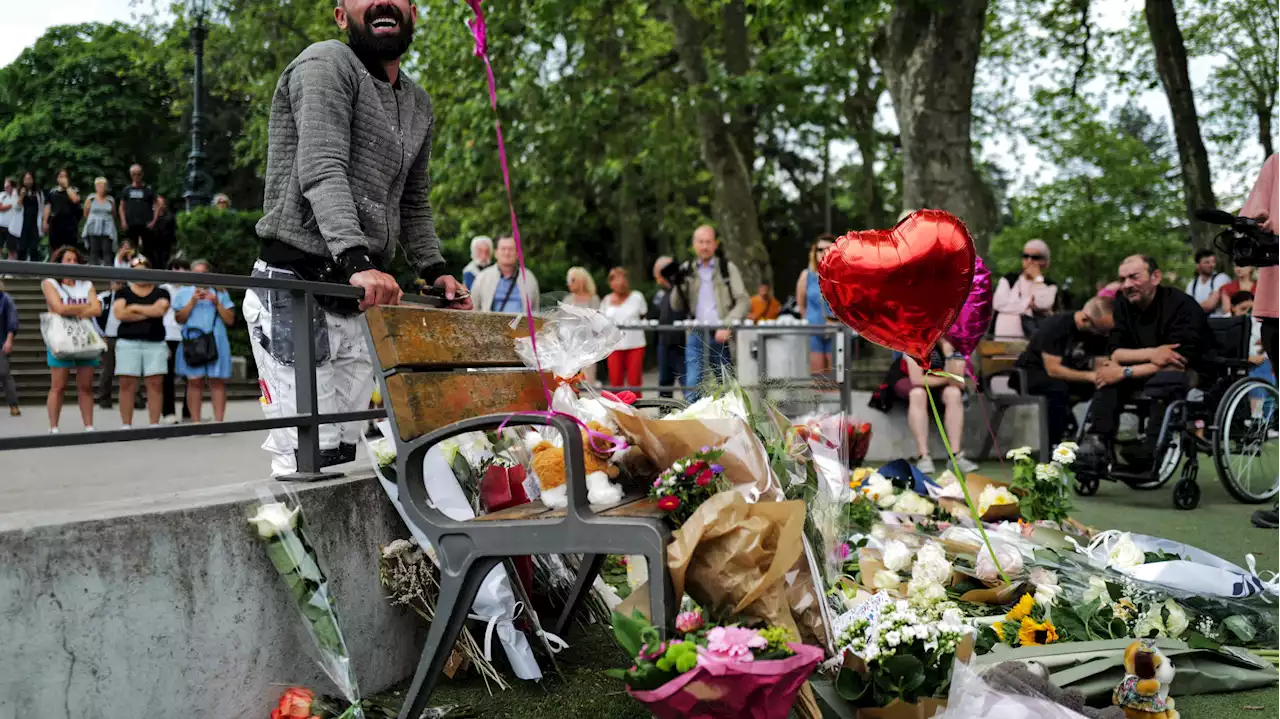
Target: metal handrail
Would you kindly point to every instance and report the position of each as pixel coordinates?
(307, 419)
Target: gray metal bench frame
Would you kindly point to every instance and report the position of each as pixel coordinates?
(1000, 403)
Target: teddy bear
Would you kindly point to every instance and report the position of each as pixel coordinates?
(1144, 692)
(1032, 679)
(548, 464)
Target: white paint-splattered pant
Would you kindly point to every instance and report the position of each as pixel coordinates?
(344, 370)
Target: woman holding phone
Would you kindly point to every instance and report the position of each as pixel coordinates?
(205, 311)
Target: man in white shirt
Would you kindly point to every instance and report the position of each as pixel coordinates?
(1206, 287)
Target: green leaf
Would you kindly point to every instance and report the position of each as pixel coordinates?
(1241, 626)
(628, 631)
(1070, 623)
(902, 667)
(1196, 640)
(852, 686)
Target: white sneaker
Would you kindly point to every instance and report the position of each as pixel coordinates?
(89, 428)
(53, 430)
(126, 426)
(966, 465)
(925, 465)
(169, 419)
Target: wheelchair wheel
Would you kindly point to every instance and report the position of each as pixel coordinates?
(1246, 448)
(1086, 486)
(1186, 495)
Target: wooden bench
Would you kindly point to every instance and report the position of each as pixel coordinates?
(445, 373)
(997, 359)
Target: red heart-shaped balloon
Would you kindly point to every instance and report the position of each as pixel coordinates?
(901, 288)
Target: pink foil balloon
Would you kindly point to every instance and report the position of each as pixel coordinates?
(975, 316)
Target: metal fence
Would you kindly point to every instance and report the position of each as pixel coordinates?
(307, 419)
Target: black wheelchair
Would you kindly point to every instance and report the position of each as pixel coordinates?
(1227, 414)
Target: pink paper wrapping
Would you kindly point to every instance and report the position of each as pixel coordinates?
(746, 690)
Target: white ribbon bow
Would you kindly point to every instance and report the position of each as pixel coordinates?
(506, 628)
(1270, 586)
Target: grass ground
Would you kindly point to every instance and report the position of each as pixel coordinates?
(1220, 525)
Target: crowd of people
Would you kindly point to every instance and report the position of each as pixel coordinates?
(35, 223)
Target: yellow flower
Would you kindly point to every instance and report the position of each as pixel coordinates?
(998, 628)
(1022, 609)
(1034, 634)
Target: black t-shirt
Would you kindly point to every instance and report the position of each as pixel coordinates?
(1059, 336)
(1173, 317)
(31, 210)
(139, 205)
(150, 329)
(60, 205)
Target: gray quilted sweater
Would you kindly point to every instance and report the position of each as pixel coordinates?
(347, 158)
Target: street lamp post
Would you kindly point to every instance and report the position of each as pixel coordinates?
(198, 181)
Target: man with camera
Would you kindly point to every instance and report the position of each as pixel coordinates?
(1263, 205)
(710, 289)
(1159, 333)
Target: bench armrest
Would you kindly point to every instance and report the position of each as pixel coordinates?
(413, 490)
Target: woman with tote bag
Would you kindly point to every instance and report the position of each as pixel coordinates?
(72, 306)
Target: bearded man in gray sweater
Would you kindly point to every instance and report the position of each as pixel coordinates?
(349, 143)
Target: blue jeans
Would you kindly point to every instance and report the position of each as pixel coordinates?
(670, 367)
(694, 346)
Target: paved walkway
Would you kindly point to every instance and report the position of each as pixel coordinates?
(39, 486)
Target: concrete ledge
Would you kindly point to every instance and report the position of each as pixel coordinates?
(180, 613)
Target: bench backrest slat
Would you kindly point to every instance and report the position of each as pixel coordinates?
(423, 338)
(426, 401)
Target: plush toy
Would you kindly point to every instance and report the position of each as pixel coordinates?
(548, 464)
(1144, 693)
(1032, 679)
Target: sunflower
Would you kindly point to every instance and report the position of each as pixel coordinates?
(998, 628)
(1022, 609)
(1034, 634)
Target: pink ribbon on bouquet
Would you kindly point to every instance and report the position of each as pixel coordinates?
(600, 442)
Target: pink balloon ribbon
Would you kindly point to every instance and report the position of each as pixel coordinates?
(599, 441)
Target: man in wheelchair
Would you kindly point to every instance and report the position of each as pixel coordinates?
(1160, 333)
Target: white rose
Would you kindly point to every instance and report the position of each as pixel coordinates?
(274, 518)
(1125, 554)
(885, 579)
(931, 564)
(879, 531)
(1149, 621)
(1046, 593)
(1048, 473)
(928, 592)
(1097, 590)
(1040, 577)
(911, 503)
(1010, 561)
(896, 556)
(1176, 622)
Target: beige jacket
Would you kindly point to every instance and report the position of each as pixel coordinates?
(730, 306)
(485, 288)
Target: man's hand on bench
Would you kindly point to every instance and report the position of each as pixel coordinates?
(456, 293)
(379, 288)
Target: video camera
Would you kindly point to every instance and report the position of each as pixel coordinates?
(1248, 243)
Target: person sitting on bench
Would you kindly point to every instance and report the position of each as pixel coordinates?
(1058, 360)
(1160, 332)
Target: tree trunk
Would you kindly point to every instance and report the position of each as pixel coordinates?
(737, 218)
(1171, 64)
(929, 53)
(860, 112)
(737, 61)
(1264, 129)
(630, 231)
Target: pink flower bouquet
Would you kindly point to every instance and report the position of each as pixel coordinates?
(764, 689)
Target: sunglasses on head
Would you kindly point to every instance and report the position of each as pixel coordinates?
(1029, 256)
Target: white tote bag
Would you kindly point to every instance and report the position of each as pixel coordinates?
(71, 338)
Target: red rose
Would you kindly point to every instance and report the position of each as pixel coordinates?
(703, 479)
(295, 704)
(669, 503)
(696, 468)
(865, 428)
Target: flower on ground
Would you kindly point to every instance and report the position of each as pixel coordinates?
(1034, 634)
(703, 479)
(993, 495)
(1010, 561)
(1048, 472)
(1097, 590)
(688, 622)
(295, 704)
(843, 551)
(1124, 554)
(1124, 609)
(734, 644)
(274, 518)
(669, 503)
(383, 451)
(998, 628)
(908, 502)
(1150, 622)
(931, 564)
(1176, 621)
(1022, 609)
(896, 555)
(653, 654)
(1046, 593)
(884, 579)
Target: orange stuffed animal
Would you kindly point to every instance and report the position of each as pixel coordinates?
(548, 464)
(1144, 693)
